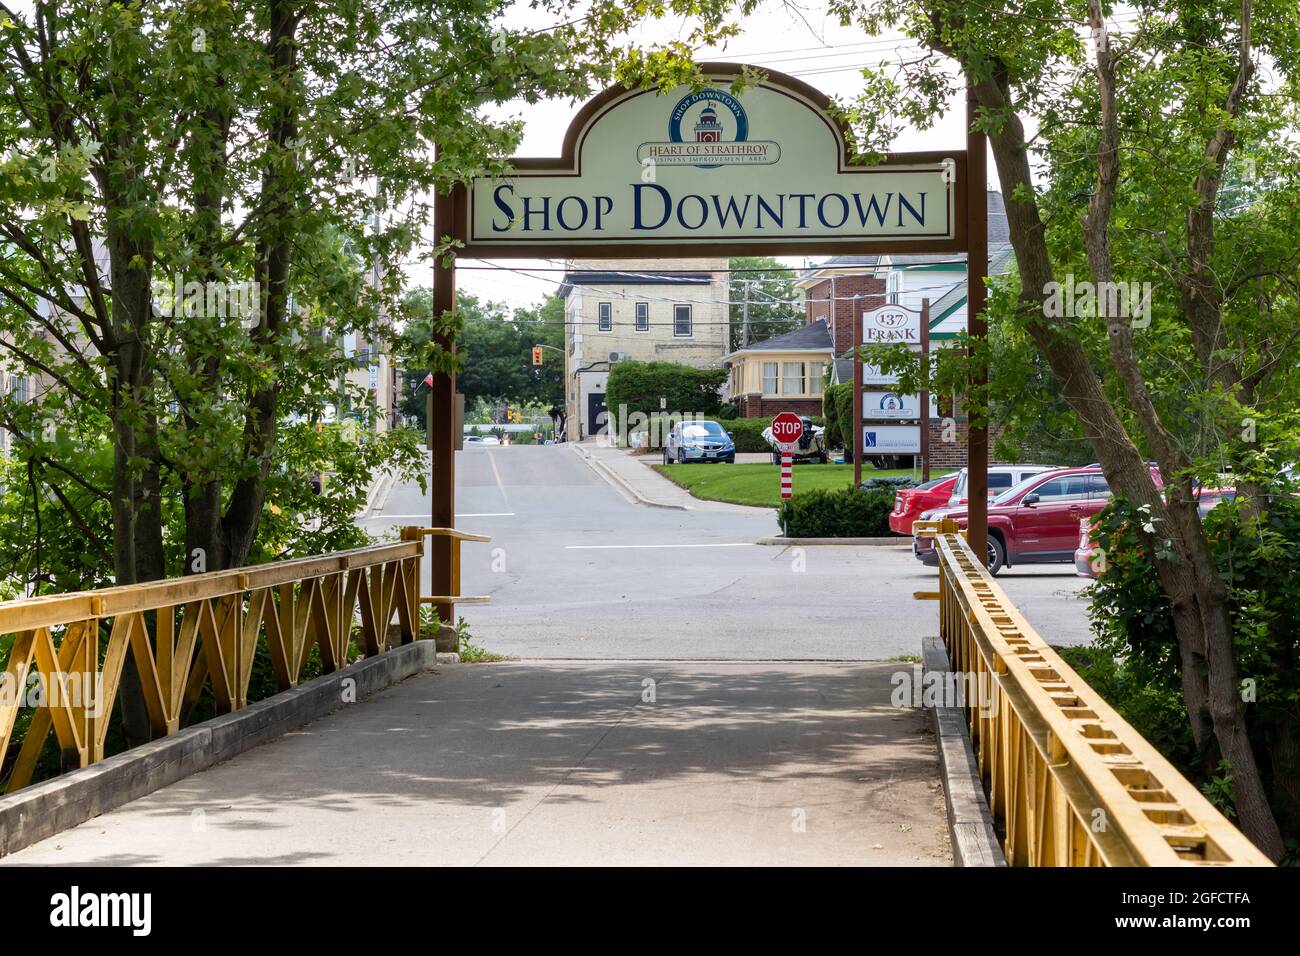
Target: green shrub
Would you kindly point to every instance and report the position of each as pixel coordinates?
(747, 433)
(841, 513)
(638, 387)
(837, 409)
(1137, 665)
(888, 484)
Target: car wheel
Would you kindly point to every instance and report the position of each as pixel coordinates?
(667, 460)
(997, 555)
(776, 458)
(681, 456)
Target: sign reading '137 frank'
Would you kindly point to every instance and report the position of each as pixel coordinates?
(708, 166)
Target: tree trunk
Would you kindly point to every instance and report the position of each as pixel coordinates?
(137, 517)
(1199, 599)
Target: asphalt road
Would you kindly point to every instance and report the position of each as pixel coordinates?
(577, 571)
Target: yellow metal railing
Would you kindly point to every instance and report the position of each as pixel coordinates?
(1069, 782)
(186, 632)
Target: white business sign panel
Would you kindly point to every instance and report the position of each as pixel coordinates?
(703, 166)
(886, 405)
(891, 440)
(872, 375)
(891, 325)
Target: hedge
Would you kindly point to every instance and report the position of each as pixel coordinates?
(641, 385)
(838, 513)
(837, 407)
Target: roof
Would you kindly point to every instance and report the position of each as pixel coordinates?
(573, 280)
(857, 263)
(998, 236)
(815, 336)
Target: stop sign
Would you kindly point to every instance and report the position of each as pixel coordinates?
(786, 428)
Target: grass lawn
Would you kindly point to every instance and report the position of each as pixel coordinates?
(760, 484)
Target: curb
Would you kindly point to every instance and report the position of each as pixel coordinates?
(872, 542)
(379, 492)
(44, 809)
(970, 824)
(617, 480)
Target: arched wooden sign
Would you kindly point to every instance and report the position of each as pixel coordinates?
(704, 172)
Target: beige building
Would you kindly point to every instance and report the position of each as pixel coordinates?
(782, 374)
(647, 310)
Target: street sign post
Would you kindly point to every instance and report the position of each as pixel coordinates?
(787, 428)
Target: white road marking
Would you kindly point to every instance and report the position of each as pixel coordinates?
(484, 514)
(605, 547)
(496, 474)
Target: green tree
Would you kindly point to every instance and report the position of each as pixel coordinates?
(268, 145)
(775, 304)
(495, 352)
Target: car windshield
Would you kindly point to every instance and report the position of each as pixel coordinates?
(702, 430)
(933, 483)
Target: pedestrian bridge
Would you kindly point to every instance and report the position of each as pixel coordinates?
(560, 761)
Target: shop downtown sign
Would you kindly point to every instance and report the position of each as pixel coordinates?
(709, 166)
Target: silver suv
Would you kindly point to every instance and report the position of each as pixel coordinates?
(1001, 477)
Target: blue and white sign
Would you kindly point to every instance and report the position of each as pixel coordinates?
(890, 405)
(891, 440)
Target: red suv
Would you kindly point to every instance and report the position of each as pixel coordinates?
(1037, 521)
(910, 502)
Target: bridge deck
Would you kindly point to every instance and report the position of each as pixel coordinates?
(563, 763)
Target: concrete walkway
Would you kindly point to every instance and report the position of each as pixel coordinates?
(634, 478)
(637, 763)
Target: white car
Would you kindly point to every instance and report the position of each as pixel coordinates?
(1001, 478)
(491, 440)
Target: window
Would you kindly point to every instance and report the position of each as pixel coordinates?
(998, 480)
(792, 378)
(682, 321)
(1069, 488)
(814, 378)
(643, 316)
(1098, 488)
(769, 378)
(605, 321)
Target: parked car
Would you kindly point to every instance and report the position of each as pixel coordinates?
(1001, 478)
(473, 439)
(810, 447)
(698, 440)
(1086, 564)
(1035, 522)
(491, 440)
(909, 503)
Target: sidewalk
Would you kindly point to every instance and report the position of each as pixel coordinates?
(592, 763)
(633, 476)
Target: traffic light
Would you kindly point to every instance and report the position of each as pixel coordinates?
(537, 355)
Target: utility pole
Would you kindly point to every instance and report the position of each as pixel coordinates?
(744, 324)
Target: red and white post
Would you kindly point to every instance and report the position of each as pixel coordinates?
(787, 473)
